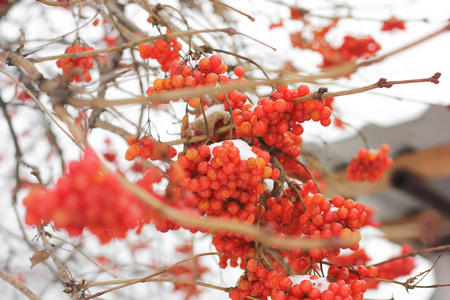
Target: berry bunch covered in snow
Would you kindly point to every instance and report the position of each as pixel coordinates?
(369, 165)
(227, 177)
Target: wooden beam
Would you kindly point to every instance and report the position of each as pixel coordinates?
(429, 164)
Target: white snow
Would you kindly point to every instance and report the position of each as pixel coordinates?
(320, 283)
(245, 151)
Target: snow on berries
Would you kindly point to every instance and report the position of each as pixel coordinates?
(86, 197)
(369, 165)
(226, 176)
(77, 69)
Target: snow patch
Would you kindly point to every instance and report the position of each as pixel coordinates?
(320, 283)
(245, 151)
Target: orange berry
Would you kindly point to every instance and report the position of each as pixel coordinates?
(204, 64)
(178, 81)
(189, 81)
(194, 102)
(131, 140)
(191, 154)
(158, 84)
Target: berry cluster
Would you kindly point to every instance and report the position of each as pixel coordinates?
(352, 48)
(208, 72)
(359, 259)
(261, 283)
(148, 148)
(86, 198)
(395, 268)
(369, 165)
(76, 69)
(393, 23)
(277, 120)
(227, 179)
(228, 183)
(323, 219)
(164, 52)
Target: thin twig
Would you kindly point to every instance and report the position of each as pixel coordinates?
(244, 58)
(132, 44)
(18, 285)
(232, 8)
(414, 253)
(40, 105)
(82, 253)
(146, 278)
(199, 283)
(63, 273)
(382, 83)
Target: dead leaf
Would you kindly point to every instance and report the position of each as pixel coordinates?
(185, 130)
(211, 120)
(39, 257)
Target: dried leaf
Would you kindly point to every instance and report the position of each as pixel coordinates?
(221, 11)
(185, 129)
(211, 120)
(39, 257)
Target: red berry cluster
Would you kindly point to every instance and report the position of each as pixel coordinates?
(359, 259)
(164, 52)
(348, 283)
(227, 179)
(259, 282)
(86, 198)
(393, 23)
(277, 120)
(369, 165)
(352, 48)
(227, 184)
(208, 72)
(395, 268)
(233, 248)
(76, 69)
(148, 148)
(322, 219)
